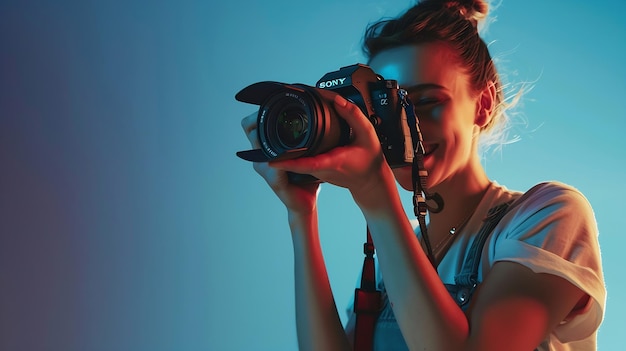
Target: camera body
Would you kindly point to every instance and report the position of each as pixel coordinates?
(297, 120)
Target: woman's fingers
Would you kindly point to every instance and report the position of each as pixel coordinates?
(361, 126)
(249, 125)
(298, 198)
(307, 165)
(249, 122)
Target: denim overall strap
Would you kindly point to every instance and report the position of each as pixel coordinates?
(469, 273)
(467, 280)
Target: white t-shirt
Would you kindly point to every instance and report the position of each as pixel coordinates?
(552, 230)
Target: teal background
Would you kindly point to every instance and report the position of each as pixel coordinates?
(127, 222)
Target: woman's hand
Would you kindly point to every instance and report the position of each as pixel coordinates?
(355, 166)
(298, 198)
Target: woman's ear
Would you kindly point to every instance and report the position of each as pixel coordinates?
(485, 105)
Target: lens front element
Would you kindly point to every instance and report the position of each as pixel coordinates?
(292, 127)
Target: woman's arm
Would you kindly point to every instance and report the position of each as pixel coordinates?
(426, 314)
(318, 323)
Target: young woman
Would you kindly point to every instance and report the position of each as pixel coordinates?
(540, 284)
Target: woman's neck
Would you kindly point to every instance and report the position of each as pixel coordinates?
(461, 195)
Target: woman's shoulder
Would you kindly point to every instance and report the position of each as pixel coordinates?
(554, 187)
(546, 189)
(550, 208)
(546, 206)
(555, 195)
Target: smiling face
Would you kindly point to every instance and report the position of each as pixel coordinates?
(447, 108)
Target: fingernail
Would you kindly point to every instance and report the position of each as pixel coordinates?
(340, 101)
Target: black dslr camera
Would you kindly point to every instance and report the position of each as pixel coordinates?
(296, 120)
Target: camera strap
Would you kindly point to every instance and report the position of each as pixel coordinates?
(367, 300)
(419, 177)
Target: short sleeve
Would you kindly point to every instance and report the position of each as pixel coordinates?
(552, 229)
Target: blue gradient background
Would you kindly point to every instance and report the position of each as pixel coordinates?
(126, 221)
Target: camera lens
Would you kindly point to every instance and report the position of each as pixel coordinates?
(299, 120)
(292, 126)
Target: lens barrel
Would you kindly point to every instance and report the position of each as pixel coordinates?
(300, 121)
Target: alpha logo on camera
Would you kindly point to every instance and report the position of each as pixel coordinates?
(331, 83)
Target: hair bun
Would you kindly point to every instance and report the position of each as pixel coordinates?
(473, 10)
